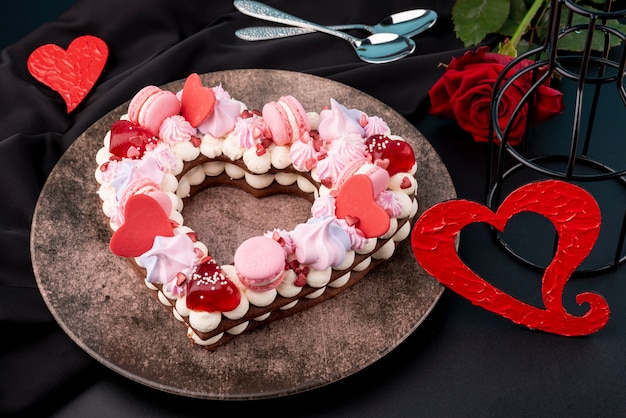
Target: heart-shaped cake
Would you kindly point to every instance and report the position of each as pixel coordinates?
(357, 175)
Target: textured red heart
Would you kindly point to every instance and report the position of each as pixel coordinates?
(355, 202)
(73, 72)
(197, 102)
(576, 217)
(144, 220)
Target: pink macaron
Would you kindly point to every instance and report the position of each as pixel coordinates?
(286, 119)
(147, 187)
(260, 263)
(378, 175)
(151, 106)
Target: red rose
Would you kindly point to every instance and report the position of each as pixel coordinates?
(464, 92)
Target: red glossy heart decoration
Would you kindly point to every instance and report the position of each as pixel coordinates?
(73, 72)
(576, 217)
(129, 140)
(355, 202)
(398, 153)
(209, 290)
(144, 220)
(197, 101)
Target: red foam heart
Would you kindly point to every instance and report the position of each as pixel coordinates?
(197, 102)
(576, 217)
(209, 290)
(394, 155)
(355, 202)
(71, 73)
(144, 219)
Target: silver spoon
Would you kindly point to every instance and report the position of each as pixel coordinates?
(376, 49)
(408, 23)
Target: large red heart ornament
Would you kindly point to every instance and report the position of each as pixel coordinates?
(73, 72)
(576, 217)
(144, 220)
(356, 203)
(197, 101)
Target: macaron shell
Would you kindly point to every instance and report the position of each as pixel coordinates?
(277, 123)
(258, 261)
(157, 107)
(298, 112)
(138, 100)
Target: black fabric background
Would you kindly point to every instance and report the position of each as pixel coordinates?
(463, 361)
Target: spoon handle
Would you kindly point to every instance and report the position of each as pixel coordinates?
(265, 12)
(263, 33)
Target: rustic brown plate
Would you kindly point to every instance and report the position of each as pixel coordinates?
(108, 311)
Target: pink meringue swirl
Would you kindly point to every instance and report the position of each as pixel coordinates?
(323, 206)
(303, 155)
(164, 157)
(331, 166)
(175, 129)
(390, 202)
(321, 243)
(352, 147)
(338, 120)
(357, 239)
(376, 126)
(249, 131)
(167, 257)
(225, 113)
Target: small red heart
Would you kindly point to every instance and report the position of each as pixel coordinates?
(576, 217)
(197, 101)
(394, 155)
(355, 201)
(209, 290)
(144, 220)
(70, 73)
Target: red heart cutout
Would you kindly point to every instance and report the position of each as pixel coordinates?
(355, 202)
(209, 290)
(144, 219)
(576, 217)
(71, 73)
(197, 102)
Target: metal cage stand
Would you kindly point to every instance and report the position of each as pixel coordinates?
(588, 160)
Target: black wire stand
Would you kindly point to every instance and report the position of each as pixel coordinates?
(590, 152)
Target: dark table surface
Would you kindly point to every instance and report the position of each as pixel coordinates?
(462, 361)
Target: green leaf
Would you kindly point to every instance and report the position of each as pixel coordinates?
(518, 9)
(475, 19)
(575, 41)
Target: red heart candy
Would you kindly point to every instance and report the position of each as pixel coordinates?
(209, 290)
(144, 219)
(355, 201)
(576, 217)
(197, 102)
(129, 140)
(70, 73)
(399, 153)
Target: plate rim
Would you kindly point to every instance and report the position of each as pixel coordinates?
(35, 250)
